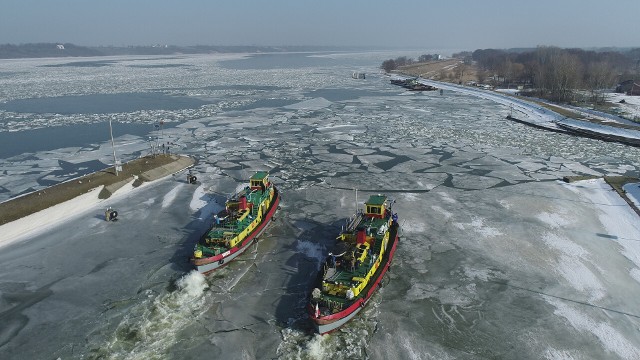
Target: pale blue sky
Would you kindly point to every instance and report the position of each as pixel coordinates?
(435, 24)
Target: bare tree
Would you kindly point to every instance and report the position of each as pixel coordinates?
(557, 73)
(425, 58)
(567, 76)
(389, 65)
(505, 70)
(598, 76)
(460, 69)
(481, 75)
(403, 60)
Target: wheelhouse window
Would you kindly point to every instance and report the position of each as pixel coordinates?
(373, 210)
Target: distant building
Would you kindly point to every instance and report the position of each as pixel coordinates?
(629, 87)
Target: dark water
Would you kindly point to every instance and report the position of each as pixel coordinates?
(245, 87)
(51, 138)
(95, 63)
(102, 103)
(290, 61)
(161, 66)
(103, 63)
(277, 61)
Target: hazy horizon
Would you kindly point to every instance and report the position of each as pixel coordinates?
(460, 24)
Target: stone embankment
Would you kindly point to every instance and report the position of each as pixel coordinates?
(137, 171)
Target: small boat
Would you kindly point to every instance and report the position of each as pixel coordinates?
(399, 82)
(421, 87)
(245, 217)
(358, 75)
(412, 84)
(354, 269)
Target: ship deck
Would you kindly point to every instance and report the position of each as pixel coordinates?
(345, 276)
(232, 227)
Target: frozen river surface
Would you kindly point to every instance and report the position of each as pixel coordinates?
(497, 257)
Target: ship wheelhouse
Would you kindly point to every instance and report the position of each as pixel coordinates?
(259, 181)
(376, 206)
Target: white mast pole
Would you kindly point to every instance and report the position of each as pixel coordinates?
(115, 165)
(356, 200)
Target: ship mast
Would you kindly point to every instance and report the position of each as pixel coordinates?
(356, 200)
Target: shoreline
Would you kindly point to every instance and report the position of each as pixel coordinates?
(544, 115)
(436, 69)
(622, 185)
(80, 201)
(135, 172)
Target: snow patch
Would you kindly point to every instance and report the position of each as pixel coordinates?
(616, 216)
(486, 231)
(41, 221)
(409, 197)
(171, 196)
(480, 274)
(575, 267)
(609, 337)
(505, 204)
(413, 226)
(199, 199)
(554, 354)
(447, 215)
(554, 220)
(446, 197)
(566, 246)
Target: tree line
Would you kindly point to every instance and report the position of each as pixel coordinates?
(550, 72)
(556, 73)
(394, 64)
